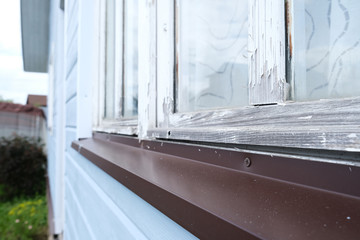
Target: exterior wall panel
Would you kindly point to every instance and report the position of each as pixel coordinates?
(71, 113)
(76, 215)
(71, 84)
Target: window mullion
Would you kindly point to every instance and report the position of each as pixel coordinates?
(99, 87)
(165, 61)
(267, 82)
(147, 67)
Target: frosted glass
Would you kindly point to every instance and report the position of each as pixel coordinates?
(211, 54)
(326, 49)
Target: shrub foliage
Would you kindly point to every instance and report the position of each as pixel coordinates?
(22, 167)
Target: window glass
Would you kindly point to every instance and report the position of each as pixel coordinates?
(211, 47)
(130, 91)
(326, 49)
(110, 60)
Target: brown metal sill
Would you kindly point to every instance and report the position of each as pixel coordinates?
(217, 194)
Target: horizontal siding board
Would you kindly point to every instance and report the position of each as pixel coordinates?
(69, 232)
(72, 18)
(71, 113)
(105, 219)
(71, 84)
(72, 38)
(81, 227)
(72, 51)
(70, 6)
(152, 222)
(70, 136)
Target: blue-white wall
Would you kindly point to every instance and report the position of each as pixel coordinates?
(56, 114)
(88, 203)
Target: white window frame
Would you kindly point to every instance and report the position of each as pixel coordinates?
(127, 126)
(269, 120)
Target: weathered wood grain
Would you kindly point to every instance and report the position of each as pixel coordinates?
(147, 68)
(126, 127)
(325, 124)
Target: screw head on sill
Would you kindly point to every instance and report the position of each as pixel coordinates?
(247, 162)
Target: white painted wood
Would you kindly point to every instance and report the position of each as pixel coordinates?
(266, 62)
(50, 96)
(71, 112)
(267, 52)
(118, 56)
(126, 127)
(117, 125)
(325, 124)
(72, 37)
(107, 207)
(60, 63)
(71, 86)
(165, 61)
(147, 67)
(82, 228)
(99, 86)
(86, 65)
(323, 138)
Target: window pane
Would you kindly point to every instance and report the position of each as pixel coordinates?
(130, 102)
(211, 54)
(327, 51)
(110, 60)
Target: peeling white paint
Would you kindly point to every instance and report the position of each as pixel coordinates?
(352, 149)
(266, 52)
(305, 118)
(352, 135)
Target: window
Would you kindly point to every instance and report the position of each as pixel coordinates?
(118, 94)
(240, 72)
(233, 71)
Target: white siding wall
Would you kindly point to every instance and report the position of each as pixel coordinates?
(94, 205)
(55, 132)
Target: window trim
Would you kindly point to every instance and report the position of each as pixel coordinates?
(261, 81)
(127, 126)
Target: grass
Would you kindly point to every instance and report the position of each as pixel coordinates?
(24, 219)
(23, 207)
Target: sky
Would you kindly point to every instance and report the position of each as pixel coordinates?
(15, 84)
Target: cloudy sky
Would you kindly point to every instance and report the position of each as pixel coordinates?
(15, 84)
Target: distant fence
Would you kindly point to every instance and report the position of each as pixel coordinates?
(23, 120)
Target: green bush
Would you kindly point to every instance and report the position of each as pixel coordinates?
(24, 219)
(22, 167)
